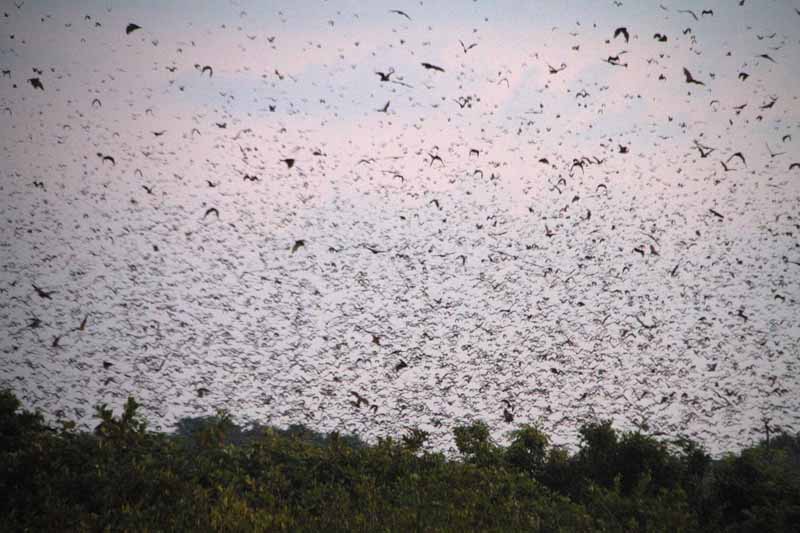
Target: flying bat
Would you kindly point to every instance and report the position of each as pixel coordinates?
(690, 78)
(385, 75)
(467, 48)
(739, 155)
(401, 13)
(130, 28)
(432, 67)
(42, 293)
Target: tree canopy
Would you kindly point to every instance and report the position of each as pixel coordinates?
(211, 475)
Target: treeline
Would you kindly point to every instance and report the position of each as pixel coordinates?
(212, 476)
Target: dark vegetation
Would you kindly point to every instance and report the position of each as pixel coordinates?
(212, 476)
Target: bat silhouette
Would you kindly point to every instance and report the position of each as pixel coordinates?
(130, 28)
(611, 60)
(700, 147)
(690, 78)
(430, 66)
(36, 83)
(622, 31)
(108, 158)
(769, 105)
(205, 69)
(467, 48)
(359, 400)
(385, 75)
(42, 293)
(773, 154)
(739, 155)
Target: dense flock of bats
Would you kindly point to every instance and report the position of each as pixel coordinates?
(397, 231)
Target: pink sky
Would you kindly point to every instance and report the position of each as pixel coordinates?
(319, 73)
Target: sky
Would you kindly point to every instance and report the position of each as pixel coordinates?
(554, 221)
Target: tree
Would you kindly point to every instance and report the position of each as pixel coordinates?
(124, 430)
(475, 444)
(528, 450)
(598, 451)
(415, 439)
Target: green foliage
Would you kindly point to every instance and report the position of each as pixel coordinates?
(528, 450)
(475, 444)
(126, 430)
(415, 439)
(758, 490)
(212, 475)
